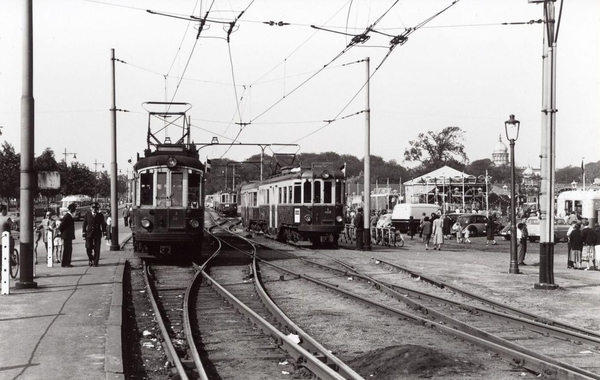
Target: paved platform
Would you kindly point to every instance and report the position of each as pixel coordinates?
(69, 327)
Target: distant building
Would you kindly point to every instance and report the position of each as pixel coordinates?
(500, 153)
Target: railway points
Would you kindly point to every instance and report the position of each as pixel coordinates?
(80, 310)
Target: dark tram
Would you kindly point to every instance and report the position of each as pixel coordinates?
(303, 206)
(167, 189)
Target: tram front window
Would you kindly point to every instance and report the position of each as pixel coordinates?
(176, 189)
(146, 189)
(327, 191)
(193, 190)
(161, 189)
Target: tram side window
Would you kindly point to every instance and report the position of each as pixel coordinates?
(279, 200)
(327, 187)
(177, 189)
(193, 190)
(290, 194)
(338, 191)
(297, 193)
(161, 189)
(254, 199)
(146, 189)
(307, 192)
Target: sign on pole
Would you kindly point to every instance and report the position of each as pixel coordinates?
(49, 180)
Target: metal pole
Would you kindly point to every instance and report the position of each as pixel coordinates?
(114, 205)
(367, 220)
(28, 174)
(548, 135)
(514, 263)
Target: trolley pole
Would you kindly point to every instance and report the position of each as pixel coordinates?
(114, 202)
(367, 219)
(28, 174)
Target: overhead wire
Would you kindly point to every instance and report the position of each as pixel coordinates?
(397, 40)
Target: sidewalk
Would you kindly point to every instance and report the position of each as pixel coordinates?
(69, 327)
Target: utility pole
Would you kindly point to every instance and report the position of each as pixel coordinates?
(367, 219)
(28, 174)
(548, 148)
(114, 202)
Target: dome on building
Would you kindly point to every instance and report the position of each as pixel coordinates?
(500, 147)
(500, 153)
(528, 173)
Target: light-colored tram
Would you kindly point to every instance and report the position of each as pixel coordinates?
(226, 203)
(303, 206)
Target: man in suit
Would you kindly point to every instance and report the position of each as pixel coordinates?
(94, 227)
(67, 232)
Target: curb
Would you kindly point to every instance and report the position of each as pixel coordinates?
(113, 351)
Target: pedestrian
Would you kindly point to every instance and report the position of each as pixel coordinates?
(489, 230)
(597, 248)
(589, 241)
(522, 236)
(108, 228)
(57, 243)
(426, 231)
(359, 227)
(126, 215)
(466, 235)
(576, 245)
(94, 227)
(457, 229)
(67, 232)
(412, 227)
(447, 227)
(569, 248)
(46, 225)
(438, 233)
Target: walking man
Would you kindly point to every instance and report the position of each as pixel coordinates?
(94, 227)
(67, 232)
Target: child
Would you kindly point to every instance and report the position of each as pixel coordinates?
(457, 229)
(57, 243)
(467, 234)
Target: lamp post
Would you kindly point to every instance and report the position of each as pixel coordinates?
(511, 128)
(68, 154)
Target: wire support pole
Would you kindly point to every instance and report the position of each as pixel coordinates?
(114, 201)
(367, 218)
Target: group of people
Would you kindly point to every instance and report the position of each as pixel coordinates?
(62, 233)
(583, 245)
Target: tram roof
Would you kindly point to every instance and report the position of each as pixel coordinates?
(185, 155)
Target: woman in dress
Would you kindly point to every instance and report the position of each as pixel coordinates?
(438, 233)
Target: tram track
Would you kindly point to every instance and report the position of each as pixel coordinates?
(569, 354)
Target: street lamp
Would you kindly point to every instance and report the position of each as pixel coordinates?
(511, 126)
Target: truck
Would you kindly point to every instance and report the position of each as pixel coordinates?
(403, 211)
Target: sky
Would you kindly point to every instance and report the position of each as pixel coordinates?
(281, 84)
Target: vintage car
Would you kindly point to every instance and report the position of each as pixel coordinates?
(560, 229)
(475, 223)
(533, 229)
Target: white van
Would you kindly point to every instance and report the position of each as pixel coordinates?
(403, 211)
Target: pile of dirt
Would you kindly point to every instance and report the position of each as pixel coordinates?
(396, 362)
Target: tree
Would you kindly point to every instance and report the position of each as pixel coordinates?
(10, 164)
(77, 179)
(434, 149)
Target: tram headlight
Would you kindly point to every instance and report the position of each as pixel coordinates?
(338, 218)
(194, 223)
(171, 161)
(146, 223)
(307, 218)
(325, 174)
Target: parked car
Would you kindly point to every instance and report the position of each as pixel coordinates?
(533, 229)
(475, 223)
(560, 229)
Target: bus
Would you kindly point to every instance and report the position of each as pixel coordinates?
(585, 203)
(83, 202)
